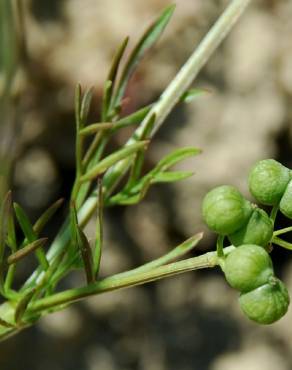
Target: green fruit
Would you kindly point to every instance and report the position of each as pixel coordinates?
(268, 180)
(258, 230)
(267, 303)
(248, 267)
(286, 201)
(225, 210)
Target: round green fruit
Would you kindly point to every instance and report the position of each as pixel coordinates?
(268, 180)
(248, 267)
(258, 230)
(266, 304)
(225, 210)
(286, 201)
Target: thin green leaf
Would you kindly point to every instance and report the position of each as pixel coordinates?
(147, 40)
(116, 61)
(138, 161)
(107, 93)
(124, 198)
(96, 127)
(93, 150)
(73, 222)
(11, 237)
(176, 157)
(138, 192)
(111, 79)
(9, 278)
(46, 216)
(78, 103)
(172, 176)
(156, 174)
(11, 242)
(83, 246)
(24, 223)
(192, 94)
(110, 160)
(54, 266)
(25, 251)
(22, 306)
(5, 323)
(99, 229)
(5, 214)
(85, 105)
(9, 46)
(176, 253)
(86, 254)
(30, 234)
(132, 119)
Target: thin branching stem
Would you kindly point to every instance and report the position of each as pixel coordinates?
(282, 231)
(161, 109)
(207, 260)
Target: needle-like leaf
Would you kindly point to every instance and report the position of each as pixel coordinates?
(110, 160)
(192, 94)
(22, 306)
(85, 105)
(25, 251)
(83, 245)
(147, 40)
(171, 176)
(132, 119)
(96, 127)
(99, 229)
(5, 214)
(30, 234)
(111, 79)
(5, 323)
(176, 157)
(46, 216)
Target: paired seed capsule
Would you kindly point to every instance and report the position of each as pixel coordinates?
(271, 184)
(264, 298)
(226, 212)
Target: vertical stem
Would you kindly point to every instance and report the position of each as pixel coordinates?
(274, 212)
(219, 245)
(99, 229)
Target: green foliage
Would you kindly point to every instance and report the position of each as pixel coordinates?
(147, 40)
(105, 178)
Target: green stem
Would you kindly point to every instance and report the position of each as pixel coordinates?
(177, 87)
(219, 246)
(282, 231)
(9, 278)
(174, 254)
(274, 212)
(161, 109)
(123, 280)
(115, 282)
(282, 243)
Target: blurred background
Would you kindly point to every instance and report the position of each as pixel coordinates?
(193, 321)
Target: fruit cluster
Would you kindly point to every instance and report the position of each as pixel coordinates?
(248, 268)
